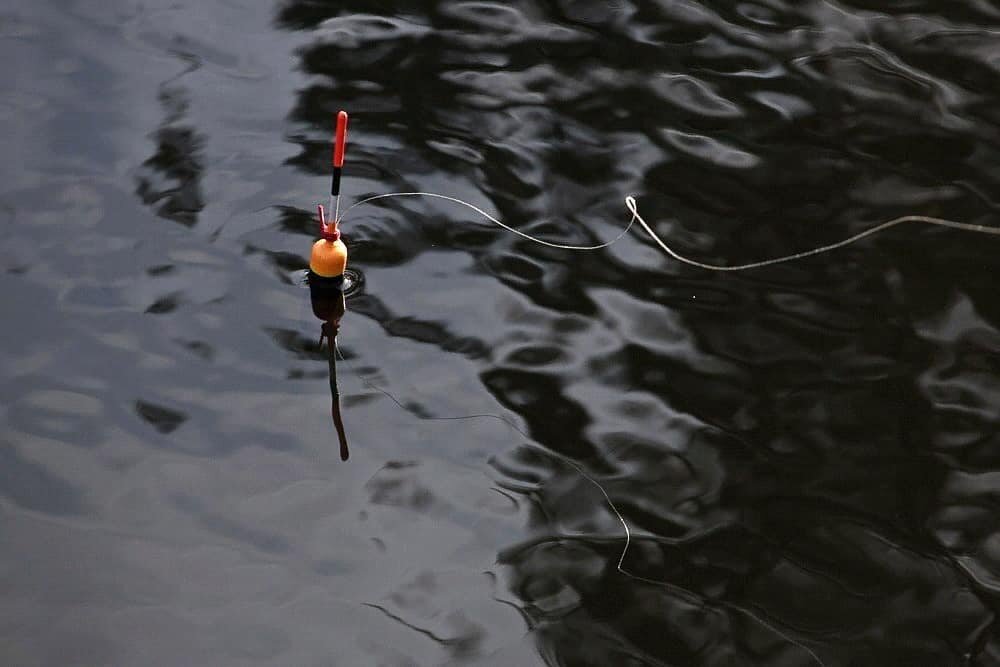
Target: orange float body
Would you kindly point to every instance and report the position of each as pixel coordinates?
(327, 264)
(329, 257)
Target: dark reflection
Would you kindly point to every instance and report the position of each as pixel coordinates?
(170, 180)
(161, 418)
(801, 451)
(329, 305)
(412, 328)
(164, 304)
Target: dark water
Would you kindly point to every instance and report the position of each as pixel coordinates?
(807, 456)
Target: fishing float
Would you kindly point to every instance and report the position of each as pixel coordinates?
(327, 264)
(328, 259)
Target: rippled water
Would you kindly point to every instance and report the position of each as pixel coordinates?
(807, 456)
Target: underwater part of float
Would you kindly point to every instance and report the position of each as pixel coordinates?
(327, 297)
(329, 331)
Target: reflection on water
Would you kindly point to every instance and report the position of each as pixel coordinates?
(177, 162)
(329, 306)
(805, 455)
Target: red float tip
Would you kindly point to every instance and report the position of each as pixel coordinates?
(340, 142)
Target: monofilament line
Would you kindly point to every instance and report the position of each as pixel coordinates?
(630, 204)
(492, 219)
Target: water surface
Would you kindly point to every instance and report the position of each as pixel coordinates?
(807, 456)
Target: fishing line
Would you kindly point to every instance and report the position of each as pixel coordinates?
(632, 206)
(680, 591)
(494, 220)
